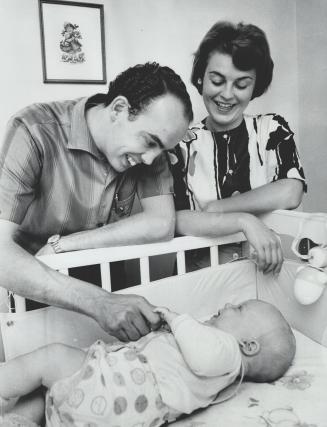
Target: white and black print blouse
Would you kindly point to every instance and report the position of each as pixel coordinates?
(210, 166)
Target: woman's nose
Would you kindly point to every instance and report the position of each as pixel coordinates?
(227, 91)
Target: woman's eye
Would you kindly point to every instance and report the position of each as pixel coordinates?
(241, 86)
(217, 83)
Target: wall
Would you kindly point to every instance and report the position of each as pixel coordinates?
(167, 31)
(311, 16)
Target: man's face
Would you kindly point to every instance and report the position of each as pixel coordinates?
(132, 140)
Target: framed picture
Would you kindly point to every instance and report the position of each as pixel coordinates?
(72, 42)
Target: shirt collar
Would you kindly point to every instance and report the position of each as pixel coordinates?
(80, 136)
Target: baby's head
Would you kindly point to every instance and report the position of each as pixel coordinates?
(266, 340)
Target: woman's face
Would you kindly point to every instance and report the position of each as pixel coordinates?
(226, 92)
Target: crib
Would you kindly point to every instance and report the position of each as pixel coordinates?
(298, 399)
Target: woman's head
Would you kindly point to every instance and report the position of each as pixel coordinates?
(231, 66)
(248, 47)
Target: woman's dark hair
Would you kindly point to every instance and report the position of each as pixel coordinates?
(142, 84)
(246, 44)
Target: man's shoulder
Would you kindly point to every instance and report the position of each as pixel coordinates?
(40, 113)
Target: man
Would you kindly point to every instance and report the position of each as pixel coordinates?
(70, 171)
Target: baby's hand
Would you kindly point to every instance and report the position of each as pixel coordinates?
(165, 314)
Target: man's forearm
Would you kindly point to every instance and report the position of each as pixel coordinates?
(155, 223)
(282, 194)
(140, 228)
(23, 274)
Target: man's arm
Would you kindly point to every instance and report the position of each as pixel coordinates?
(213, 224)
(127, 317)
(282, 194)
(155, 223)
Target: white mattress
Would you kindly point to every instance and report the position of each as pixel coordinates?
(299, 399)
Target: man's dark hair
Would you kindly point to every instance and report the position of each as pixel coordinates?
(143, 83)
(246, 44)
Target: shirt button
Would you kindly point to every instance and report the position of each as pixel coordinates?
(225, 136)
(121, 209)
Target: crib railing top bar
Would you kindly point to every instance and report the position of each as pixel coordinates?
(282, 221)
(101, 255)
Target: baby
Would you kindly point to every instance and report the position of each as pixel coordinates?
(160, 377)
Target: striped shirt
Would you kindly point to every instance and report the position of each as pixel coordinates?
(53, 179)
(214, 165)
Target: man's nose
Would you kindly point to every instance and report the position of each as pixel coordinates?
(149, 156)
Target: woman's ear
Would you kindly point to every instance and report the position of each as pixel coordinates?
(119, 105)
(249, 347)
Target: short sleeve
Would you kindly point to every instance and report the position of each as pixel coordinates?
(154, 180)
(282, 154)
(177, 166)
(20, 167)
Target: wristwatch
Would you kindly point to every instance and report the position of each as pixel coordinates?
(54, 242)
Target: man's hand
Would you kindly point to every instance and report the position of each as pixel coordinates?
(127, 317)
(266, 243)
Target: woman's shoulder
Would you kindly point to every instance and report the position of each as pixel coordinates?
(274, 119)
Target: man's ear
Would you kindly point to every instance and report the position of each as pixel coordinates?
(249, 347)
(119, 105)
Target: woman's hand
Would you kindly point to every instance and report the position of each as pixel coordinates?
(266, 243)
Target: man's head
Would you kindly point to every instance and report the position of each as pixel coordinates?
(147, 110)
(266, 340)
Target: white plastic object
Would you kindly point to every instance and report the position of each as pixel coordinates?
(318, 257)
(309, 284)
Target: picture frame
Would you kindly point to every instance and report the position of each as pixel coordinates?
(72, 42)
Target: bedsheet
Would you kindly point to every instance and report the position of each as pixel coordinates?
(298, 399)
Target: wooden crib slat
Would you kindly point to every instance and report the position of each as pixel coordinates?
(181, 262)
(20, 304)
(214, 255)
(105, 276)
(145, 270)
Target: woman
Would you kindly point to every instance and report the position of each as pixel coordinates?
(232, 162)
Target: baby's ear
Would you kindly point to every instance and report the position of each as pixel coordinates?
(249, 347)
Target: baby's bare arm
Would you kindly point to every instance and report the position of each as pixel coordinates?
(44, 366)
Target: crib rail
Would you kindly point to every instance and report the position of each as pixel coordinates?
(282, 222)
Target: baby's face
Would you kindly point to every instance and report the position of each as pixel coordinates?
(251, 318)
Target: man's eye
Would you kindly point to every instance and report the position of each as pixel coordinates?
(151, 144)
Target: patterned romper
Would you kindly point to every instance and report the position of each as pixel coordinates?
(115, 387)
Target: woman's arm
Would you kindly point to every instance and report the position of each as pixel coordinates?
(282, 194)
(213, 224)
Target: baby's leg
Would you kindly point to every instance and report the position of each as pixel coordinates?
(44, 366)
